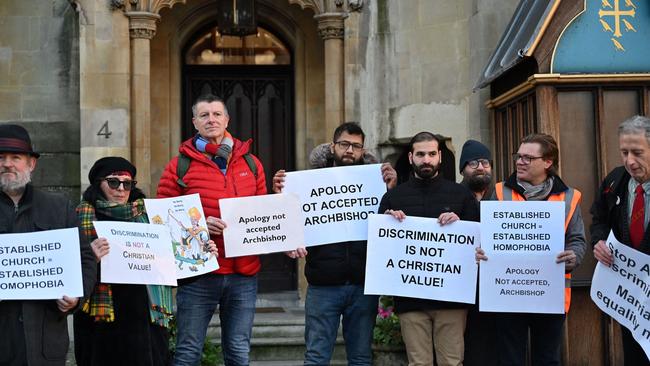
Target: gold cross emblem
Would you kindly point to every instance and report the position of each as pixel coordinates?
(617, 13)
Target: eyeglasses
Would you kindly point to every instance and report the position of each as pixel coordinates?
(345, 145)
(114, 183)
(474, 163)
(526, 159)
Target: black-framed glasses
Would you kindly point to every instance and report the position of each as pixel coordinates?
(346, 145)
(526, 159)
(114, 183)
(474, 163)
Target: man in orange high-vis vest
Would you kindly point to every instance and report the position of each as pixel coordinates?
(536, 179)
(619, 201)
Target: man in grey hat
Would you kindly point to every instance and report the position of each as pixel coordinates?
(34, 332)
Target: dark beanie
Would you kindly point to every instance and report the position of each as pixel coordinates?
(108, 165)
(473, 150)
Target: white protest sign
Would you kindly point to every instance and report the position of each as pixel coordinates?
(42, 265)
(183, 216)
(522, 241)
(419, 258)
(336, 202)
(261, 224)
(139, 254)
(622, 291)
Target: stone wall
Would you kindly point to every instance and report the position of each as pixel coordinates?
(411, 66)
(39, 85)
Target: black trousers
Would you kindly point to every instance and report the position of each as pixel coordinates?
(632, 351)
(545, 338)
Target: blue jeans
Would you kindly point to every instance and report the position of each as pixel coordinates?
(324, 307)
(196, 302)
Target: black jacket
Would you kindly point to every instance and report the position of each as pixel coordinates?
(339, 263)
(429, 198)
(609, 211)
(36, 329)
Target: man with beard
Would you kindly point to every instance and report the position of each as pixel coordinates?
(336, 272)
(35, 332)
(536, 179)
(476, 169)
(428, 325)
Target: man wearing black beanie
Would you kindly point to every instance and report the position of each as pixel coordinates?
(476, 169)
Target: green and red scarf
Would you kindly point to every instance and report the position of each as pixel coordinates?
(100, 304)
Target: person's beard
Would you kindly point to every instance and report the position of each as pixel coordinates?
(478, 182)
(425, 171)
(344, 160)
(14, 185)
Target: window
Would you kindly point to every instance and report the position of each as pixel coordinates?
(512, 122)
(262, 48)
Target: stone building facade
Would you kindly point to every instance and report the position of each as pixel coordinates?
(91, 78)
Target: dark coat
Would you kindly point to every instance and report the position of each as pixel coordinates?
(609, 211)
(429, 198)
(339, 263)
(36, 329)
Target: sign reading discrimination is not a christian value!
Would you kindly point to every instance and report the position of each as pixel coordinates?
(622, 291)
(522, 241)
(41, 265)
(262, 224)
(140, 254)
(419, 258)
(336, 201)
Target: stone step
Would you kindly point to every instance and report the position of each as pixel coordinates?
(292, 363)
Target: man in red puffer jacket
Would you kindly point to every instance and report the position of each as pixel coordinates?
(220, 167)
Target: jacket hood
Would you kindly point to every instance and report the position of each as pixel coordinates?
(321, 157)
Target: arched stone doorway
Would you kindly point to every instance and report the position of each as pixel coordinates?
(280, 105)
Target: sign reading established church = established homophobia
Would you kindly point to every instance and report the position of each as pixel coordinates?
(40, 265)
(623, 290)
(261, 224)
(139, 253)
(522, 241)
(336, 201)
(419, 258)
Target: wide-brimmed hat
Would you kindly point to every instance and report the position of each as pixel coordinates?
(14, 138)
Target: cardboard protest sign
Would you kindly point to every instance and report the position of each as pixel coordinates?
(261, 224)
(622, 291)
(40, 265)
(336, 202)
(184, 218)
(522, 241)
(420, 258)
(139, 253)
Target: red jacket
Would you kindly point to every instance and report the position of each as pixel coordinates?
(205, 178)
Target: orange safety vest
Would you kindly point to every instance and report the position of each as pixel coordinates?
(571, 199)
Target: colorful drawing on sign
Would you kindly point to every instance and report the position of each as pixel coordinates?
(608, 36)
(185, 220)
(191, 246)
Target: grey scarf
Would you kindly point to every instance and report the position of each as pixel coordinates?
(538, 192)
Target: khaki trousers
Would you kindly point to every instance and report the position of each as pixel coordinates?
(434, 330)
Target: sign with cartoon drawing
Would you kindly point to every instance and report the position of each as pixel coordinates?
(185, 221)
